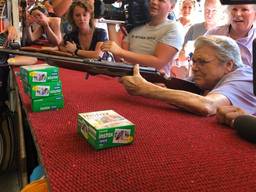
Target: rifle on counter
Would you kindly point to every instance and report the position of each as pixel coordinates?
(94, 67)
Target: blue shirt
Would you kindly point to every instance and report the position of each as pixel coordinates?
(237, 86)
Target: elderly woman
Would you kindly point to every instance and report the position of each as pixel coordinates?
(241, 29)
(47, 28)
(217, 69)
(85, 40)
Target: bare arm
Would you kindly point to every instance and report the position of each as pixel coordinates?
(61, 6)
(34, 35)
(202, 105)
(96, 54)
(163, 54)
(53, 31)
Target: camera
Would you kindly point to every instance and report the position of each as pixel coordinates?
(231, 2)
(133, 13)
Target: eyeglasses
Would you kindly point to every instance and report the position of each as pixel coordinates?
(200, 62)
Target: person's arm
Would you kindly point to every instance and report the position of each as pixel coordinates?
(34, 35)
(96, 54)
(163, 54)
(227, 114)
(60, 7)
(202, 105)
(12, 33)
(53, 32)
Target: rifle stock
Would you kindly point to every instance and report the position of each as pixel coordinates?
(94, 67)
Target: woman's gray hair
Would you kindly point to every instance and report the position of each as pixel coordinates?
(226, 48)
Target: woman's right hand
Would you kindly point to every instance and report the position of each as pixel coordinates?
(29, 19)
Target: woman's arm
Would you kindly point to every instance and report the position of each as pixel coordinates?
(96, 54)
(52, 30)
(202, 105)
(163, 54)
(34, 35)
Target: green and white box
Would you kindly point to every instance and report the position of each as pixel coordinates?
(103, 129)
(42, 73)
(43, 89)
(47, 103)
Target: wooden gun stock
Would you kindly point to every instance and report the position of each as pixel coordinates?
(94, 67)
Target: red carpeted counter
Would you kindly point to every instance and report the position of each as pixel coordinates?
(173, 150)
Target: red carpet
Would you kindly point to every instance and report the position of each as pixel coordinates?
(173, 150)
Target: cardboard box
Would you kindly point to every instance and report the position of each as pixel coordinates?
(43, 89)
(103, 129)
(47, 103)
(42, 73)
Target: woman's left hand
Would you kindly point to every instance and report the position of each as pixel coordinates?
(136, 84)
(71, 47)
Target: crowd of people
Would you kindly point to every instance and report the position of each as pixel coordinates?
(221, 62)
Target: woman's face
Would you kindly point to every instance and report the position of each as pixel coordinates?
(211, 11)
(207, 69)
(187, 8)
(81, 17)
(242, 17)
(38, 16)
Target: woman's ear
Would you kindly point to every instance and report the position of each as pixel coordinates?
(229, 66)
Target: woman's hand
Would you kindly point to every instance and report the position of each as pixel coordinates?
(136, 84)
(227, 114)
(111, 46)
(71, 47)
(29, 19)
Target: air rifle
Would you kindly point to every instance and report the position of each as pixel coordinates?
(94, 67)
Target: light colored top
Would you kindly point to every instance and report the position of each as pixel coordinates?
(195, 31)
(245, 44)
(237, 86)
(143, 39)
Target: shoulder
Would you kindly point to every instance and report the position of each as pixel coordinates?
(219, 30)
(197, 25)
(241, 74)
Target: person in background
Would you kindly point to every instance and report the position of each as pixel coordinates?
(11, 35)
(85, 40)
(211, 15)
(188, 8)
(49, 8)
(47, 28)
(217, 69)
(60, 7)
(241, 28)
(153, 44)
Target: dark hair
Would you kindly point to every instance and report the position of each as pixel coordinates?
(87, 7)
(41, 8)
